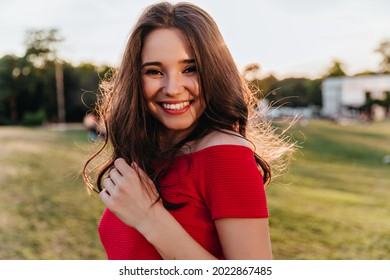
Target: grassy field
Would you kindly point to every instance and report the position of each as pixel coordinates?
(333, 204)
(45, 212)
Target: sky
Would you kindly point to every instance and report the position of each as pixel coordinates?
(286, 38)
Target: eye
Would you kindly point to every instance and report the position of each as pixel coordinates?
(191, 69)
(153, 72)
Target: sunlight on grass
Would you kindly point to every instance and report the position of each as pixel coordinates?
(336, 204)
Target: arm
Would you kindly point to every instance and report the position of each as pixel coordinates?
(170, 239)
(235, 194)
(244, 239)
(241, 239)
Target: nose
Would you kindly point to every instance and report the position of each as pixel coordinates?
(173, 85)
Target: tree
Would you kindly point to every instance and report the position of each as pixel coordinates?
(81, 83)
(251, 71)
(365, 73)
(9, 73)
(336, 69)
(41, 46)
(262, 88)
(384, 50)
(28, 83)
(314, 92)
(23, 89)
(290, 92)
(41, 50)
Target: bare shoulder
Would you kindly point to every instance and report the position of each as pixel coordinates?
(225, 137)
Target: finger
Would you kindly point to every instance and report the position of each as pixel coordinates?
(109, 186)
(104, 194)
(120, 163)
(105, 197)
(141, 173)
(115, 176)
(122, 166)
(144, 178)
(134, 165)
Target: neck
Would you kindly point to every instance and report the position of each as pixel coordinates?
(170, 138)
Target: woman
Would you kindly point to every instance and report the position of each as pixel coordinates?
(183, 180)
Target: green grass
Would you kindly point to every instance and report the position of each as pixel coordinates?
(333, 204)
(45, 212)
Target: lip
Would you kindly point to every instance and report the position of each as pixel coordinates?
(174, 101)
(175, 111)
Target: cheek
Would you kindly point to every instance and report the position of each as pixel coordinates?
(194, 85)
(152, 108)
(148, 89)
(196, 91)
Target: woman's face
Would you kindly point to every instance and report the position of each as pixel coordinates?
(170, 81)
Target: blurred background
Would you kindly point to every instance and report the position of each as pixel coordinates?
(327, 62)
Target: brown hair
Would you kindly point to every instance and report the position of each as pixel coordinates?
(134, 133)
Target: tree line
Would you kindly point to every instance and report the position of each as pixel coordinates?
(30, 87)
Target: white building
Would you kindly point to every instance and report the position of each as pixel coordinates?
(344, 96)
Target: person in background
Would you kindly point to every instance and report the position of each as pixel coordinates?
(188, 161)
(94, 127)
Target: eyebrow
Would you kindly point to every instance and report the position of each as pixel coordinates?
(156, 63)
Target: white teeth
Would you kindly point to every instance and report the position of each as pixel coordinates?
(177, 106)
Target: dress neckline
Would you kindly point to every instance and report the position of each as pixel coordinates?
(220, 146)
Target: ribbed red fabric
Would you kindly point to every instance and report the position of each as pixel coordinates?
(216, 182)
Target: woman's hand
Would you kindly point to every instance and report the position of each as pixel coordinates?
(131, 197)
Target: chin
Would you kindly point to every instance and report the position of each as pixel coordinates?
(179, 127)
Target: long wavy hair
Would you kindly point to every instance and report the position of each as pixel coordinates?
(134, 133)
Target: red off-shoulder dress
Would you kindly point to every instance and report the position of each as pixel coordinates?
(217, 182)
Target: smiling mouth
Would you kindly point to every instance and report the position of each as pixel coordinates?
(176, 106)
